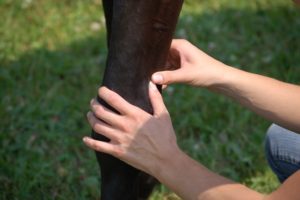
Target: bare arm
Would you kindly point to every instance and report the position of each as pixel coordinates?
(191, 181)
(274, 100)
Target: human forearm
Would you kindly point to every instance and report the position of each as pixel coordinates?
(191, 180)
(270, 98)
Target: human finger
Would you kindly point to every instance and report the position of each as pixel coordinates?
(116, 101)
(105, 114)
(156, 99)
(100, 146)
(167, 77)
(102, 128)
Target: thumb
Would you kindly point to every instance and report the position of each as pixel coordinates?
(167, 77)
(156, 100)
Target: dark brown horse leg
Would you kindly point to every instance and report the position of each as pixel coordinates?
(139, 37)
(108, 13)
(115, 174)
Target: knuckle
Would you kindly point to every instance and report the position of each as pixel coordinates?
(126, 127)
(113, 99)
(98, 110)
(166, 112)
(126, 124)
(163, 113)
(95, 127)
(142, 119)
(94, 145)
(119, 152)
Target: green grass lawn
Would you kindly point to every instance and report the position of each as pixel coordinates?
(52, 56)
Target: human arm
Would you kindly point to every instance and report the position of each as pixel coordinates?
(191, 181)
(148, 142)
(272, 99)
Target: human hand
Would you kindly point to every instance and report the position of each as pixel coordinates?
(136, 137)
(192, 66)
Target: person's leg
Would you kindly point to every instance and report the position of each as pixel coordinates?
(282, 151)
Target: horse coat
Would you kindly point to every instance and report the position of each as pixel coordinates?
(139, 34)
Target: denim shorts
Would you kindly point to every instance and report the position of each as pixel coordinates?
(282, 151)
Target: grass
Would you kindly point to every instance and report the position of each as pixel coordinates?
(52, 56)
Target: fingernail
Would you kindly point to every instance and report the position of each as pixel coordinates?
(88, 114)
(157, 78)
(152, 86)
(84, 139)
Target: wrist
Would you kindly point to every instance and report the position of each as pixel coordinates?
(225, 78)
(169, 166)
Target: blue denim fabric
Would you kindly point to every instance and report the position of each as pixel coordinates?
(282, 151)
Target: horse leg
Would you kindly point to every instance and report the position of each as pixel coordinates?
(115, 174)
(139, 37)
(108, 13)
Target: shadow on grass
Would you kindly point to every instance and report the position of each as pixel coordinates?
(45, 95)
